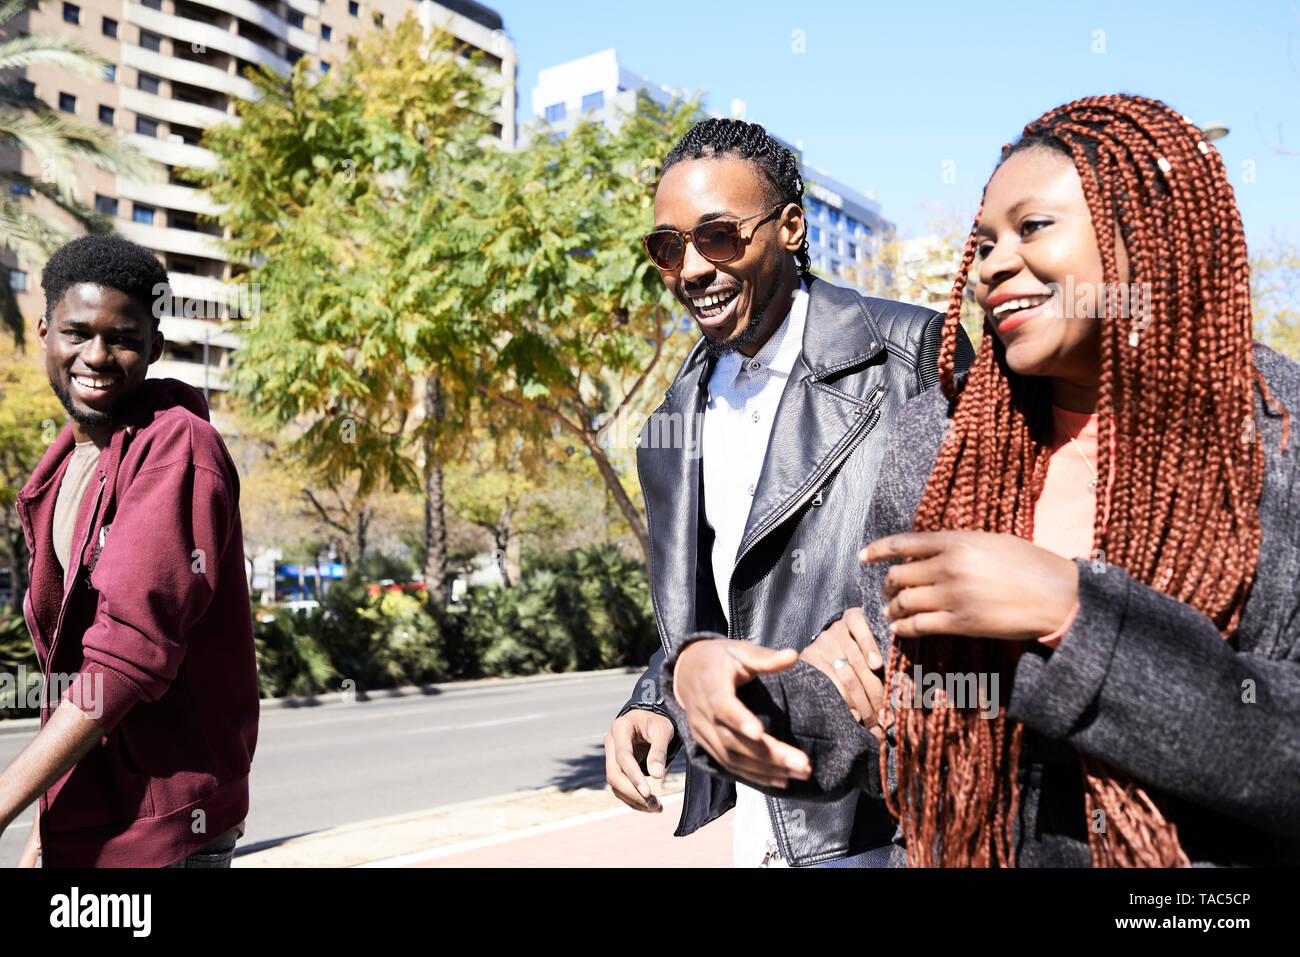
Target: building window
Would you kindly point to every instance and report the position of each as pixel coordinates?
(71, 13)
(67, 103)
(324, 67)
(17, 280)
(105, 115)
(146, 127)
(147, 83)
(110, 72)
(378, 18)
(150, 41)
(109, 27)
(294, 18)
(20, 189)
(593, 101)
(143, 214)
(27, 88)
(293, 55)
(152, 4)
(853, 252)
(815, 235)
(106, 205)
(354, 8)
(555, 113)
(325, 31)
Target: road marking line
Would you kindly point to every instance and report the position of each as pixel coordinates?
(417, 857)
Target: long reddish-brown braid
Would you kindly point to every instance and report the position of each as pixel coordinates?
(1187, 471)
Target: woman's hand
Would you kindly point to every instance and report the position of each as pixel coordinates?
(979, 584)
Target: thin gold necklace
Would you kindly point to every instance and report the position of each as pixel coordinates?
(1096, 479)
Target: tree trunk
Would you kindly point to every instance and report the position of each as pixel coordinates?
(435, 525)
(615, 487)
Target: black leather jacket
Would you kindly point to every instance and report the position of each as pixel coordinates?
(796, 570)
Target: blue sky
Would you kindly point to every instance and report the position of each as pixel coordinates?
(885, 94)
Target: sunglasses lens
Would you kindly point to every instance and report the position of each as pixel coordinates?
(718, 241)
(665, 249)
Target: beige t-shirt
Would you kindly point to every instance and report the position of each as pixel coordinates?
(81, 469)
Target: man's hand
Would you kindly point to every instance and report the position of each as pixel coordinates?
(633, 737)
(980, 584)
(705, 680)
(849, 644)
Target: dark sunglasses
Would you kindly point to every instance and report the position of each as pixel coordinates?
(718, 240)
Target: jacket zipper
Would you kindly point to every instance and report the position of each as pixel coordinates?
(67, 592)
(872, 409)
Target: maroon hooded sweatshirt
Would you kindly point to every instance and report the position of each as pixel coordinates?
(154, 633)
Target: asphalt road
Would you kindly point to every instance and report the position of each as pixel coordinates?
(320, 767)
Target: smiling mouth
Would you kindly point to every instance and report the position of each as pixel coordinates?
(1004, 309)
(713, 305)
(94, 386)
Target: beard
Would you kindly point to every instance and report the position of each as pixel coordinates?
(89, 418)
(716, 349)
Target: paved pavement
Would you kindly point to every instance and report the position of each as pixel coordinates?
(587, 827)
(468, 770)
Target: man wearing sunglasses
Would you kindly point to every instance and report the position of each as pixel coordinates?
(755, 517)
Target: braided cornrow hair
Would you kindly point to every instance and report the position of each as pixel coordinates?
(716, 137)
(1177, 396)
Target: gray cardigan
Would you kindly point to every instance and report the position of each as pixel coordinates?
(1140, 680)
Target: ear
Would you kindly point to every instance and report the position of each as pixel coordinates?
(793, 227)
(156, 347)
(42, 330)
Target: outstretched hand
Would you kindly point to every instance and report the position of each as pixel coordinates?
(705, 681)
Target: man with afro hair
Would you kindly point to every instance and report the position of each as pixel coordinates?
(138, 603)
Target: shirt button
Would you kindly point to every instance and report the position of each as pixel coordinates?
(751, 490)
(754, 416)
(755, 364)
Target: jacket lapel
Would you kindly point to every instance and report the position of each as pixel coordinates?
(668, 460)
(814, 421)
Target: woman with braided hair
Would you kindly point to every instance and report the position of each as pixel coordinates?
(1085, 578)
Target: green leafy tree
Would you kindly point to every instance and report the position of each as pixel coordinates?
(338, 192)
(579, 320)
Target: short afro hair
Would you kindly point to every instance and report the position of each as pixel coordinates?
(109, 261)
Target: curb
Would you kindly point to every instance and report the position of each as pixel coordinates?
(18, 725)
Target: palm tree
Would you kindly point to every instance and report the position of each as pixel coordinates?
(59, 142)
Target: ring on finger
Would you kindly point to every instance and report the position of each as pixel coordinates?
(839, 663)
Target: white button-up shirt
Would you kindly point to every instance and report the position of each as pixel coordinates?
(743, 396)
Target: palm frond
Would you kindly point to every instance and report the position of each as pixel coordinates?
(21, 52)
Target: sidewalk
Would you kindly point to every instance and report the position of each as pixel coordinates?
(588, 827)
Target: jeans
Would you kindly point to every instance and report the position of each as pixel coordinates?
(216, 853)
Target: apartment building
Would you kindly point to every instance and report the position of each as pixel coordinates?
(174, 70)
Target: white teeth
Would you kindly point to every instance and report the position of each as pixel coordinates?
(93, 383)
(708, 302)
(1022, 303)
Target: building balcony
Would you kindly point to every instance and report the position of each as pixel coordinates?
(191, 373)
(204, 35)
(184, 331)
(169, 153)
(187, 71)
(169, 195)
(173, 111)
(183, 242)
(257, 14)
